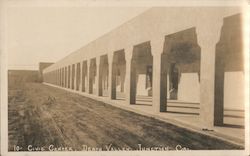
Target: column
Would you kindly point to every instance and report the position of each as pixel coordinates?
(65, 77)
(52, 77)
(69, 76)
(55, 77)
(84, 75)
(77, 81)
(133, 84)
(99, 76)
(219, 88)
(159, 77)
(72, 76)
(80, 81)
(75, 78)
(207, 41)
(111, 77)
(88, 77)
(130, 99)
(60, 75)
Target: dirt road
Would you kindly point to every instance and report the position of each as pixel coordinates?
(45, 117)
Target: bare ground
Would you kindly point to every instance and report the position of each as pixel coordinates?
(41, 115)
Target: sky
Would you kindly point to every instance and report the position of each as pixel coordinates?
(48, 34)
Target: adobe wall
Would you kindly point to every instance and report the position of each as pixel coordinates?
(153, 23)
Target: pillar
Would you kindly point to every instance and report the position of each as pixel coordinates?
(207, 41)
(111, 77)
(52, 77)
(66, 76)
(99, 76)
(62, 78)
(133, 84)
(84, 75)
(75, 77)
(58, 77)
(56, 73)
(219, 89)
(129, 92)
(61, 75)
(55, 77)
(88, 77)
(56, 80)
(159, 76)
(69, 76)
(80, 77)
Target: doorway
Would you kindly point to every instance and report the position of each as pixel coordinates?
(174, 81)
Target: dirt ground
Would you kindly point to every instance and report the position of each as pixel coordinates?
(41, 116)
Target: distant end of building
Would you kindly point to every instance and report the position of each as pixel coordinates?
(42, 66)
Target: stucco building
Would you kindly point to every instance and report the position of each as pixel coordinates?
(42, 66)
(187, 55)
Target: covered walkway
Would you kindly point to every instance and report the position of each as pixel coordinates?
(188, 71)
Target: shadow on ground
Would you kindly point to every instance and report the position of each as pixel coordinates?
(41, 116)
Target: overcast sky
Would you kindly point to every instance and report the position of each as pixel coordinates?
(47, 34)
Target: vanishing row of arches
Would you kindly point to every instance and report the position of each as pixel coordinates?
(129, 75)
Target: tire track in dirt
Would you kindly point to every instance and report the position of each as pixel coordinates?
(44, 115)
(154, 140)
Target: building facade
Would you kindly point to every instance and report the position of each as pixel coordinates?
(185, 54)
(42, 66)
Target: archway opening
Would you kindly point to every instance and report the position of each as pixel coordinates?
(84, 75)
(92, 76)
(118, 75)
(180, 70)
(229, 75)
(141, 75)
(103, 76)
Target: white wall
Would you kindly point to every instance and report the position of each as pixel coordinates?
(189, 87)
(234, 90)
(156, 22)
